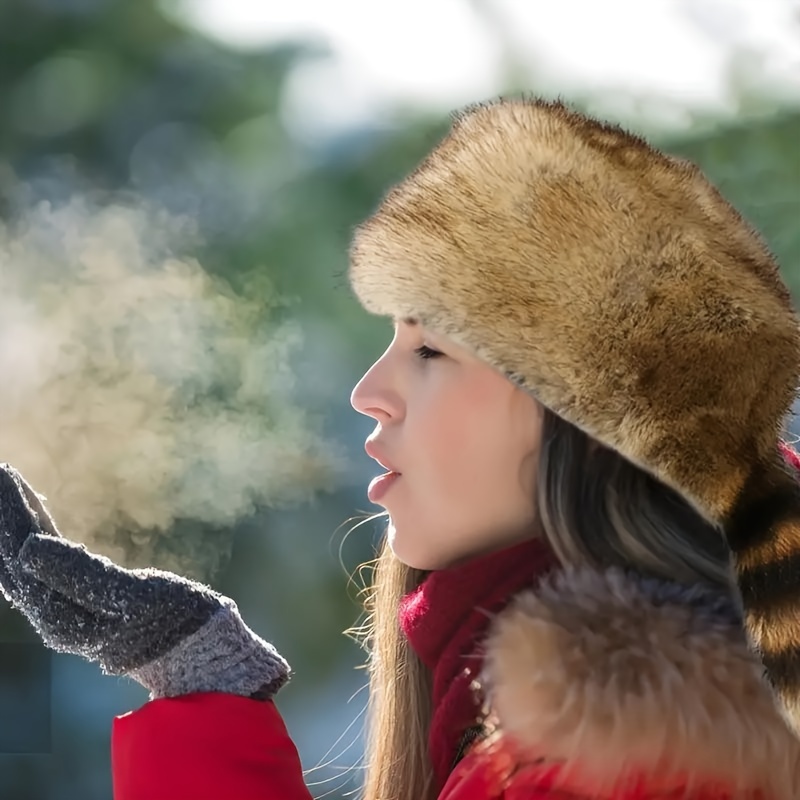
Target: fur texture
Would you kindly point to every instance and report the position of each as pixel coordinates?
(614, 283)
(617, 677)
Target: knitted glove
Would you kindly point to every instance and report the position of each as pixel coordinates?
(171, 634)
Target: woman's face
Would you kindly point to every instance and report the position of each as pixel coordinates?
(466, 442)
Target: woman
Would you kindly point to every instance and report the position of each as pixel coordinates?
(592, 359)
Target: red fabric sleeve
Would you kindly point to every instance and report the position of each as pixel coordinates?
(205, 746)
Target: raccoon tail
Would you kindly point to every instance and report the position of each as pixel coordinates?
(763, 534)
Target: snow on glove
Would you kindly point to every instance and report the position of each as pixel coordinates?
(171, 634)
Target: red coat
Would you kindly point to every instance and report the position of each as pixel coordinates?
(216, 746)
(600, 686)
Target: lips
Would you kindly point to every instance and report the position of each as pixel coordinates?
(374, 451)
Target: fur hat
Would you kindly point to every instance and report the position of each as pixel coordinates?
(616, 285)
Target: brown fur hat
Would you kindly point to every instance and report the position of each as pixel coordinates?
(616, 285)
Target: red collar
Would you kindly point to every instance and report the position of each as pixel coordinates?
(444, 620)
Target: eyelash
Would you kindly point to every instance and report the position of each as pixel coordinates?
(426, 352)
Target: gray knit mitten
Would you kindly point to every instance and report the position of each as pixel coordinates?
(171, 634)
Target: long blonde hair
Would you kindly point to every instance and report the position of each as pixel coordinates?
(595, 508)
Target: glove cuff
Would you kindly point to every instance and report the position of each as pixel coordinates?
(224, 655)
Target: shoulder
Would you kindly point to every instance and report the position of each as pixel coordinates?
(612, 678)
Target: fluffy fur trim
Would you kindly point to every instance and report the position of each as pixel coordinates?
(614, 676)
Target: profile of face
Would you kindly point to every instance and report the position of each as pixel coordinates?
(465, 441)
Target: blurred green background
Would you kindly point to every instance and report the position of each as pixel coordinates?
(125, 98)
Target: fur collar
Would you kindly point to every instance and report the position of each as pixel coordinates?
(612, 675)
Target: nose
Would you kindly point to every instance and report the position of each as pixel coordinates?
(364, 397)
(374, 395)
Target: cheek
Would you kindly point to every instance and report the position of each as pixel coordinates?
(462, 492)
(440, 431)
(456, 441)
(482, 449)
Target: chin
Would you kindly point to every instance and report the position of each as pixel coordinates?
(415, 558)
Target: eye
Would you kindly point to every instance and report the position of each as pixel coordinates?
(427, 352)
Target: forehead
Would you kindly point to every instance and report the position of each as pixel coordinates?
(435, 336)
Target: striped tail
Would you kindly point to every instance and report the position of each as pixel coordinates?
(763, 533)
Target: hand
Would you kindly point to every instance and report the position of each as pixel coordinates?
(171, 634)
